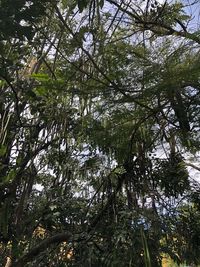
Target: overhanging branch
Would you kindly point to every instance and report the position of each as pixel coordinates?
(41, 247)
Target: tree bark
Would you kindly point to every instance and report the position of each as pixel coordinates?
(8, 262)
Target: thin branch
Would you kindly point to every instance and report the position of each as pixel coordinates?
(149, 25)
(16, 98)
(112, 83)
(192, 165)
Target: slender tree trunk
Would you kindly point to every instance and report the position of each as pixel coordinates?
(8, 262)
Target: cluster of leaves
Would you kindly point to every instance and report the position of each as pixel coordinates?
(172, 176)
(18, 18)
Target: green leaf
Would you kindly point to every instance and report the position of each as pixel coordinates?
(3, 150)
(82, 4)
(40, 91)
(40, 77)
(2, 83)
(9, 177)
(101, 3)
(120, 170)
(31, 94)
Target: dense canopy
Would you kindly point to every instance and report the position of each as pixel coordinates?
(99, 133)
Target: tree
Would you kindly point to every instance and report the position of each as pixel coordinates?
(92, 93)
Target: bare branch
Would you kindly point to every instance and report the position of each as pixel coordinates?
(192, 165)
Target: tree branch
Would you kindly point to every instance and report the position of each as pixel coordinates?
(151, 25)
(192, 165)
(41, 247)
